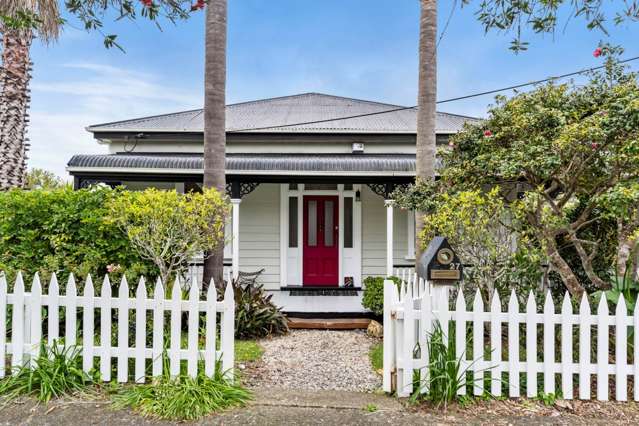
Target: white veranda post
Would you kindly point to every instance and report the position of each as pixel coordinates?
(389, 237)
(235, 223)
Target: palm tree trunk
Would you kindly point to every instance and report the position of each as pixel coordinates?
(426, 99)
(214, 119)
(15, 75)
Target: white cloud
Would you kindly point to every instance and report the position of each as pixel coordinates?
(87, 94)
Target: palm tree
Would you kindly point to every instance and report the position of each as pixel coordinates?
(426, 99)
(15, 75)
(214, 118)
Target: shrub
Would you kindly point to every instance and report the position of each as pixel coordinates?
(64, 231)
(57, 372)
(255, 314)
(168, 228)
(373, 298)
(183, 397)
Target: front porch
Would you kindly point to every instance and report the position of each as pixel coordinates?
(317, 234)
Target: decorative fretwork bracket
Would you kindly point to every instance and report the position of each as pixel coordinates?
(238, 189)
(386, 189)
(86, 183)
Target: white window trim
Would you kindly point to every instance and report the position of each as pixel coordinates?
(410, 235)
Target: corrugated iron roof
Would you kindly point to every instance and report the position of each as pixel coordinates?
(269, 115)
(284, 163)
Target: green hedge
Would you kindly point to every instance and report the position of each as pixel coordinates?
(64, 231)
(373, 298)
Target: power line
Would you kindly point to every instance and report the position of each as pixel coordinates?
(459, 98)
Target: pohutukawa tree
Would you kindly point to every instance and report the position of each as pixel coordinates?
(572, 152)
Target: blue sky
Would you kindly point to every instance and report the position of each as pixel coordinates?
(359, 48)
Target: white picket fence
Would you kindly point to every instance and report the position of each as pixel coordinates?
(28, 308)
(410, 314)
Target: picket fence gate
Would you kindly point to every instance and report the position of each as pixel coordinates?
(411, 312)
(26, 334)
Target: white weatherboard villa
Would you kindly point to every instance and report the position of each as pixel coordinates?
(310, 189)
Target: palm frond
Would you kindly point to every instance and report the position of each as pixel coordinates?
(45, 12)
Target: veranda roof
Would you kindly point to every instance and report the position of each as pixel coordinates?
(247, 164)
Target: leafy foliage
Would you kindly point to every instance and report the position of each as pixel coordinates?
(168, 228)
(255, 314)
(56, 372)
(563, 151)
(183, 397)
(43, 179)
(64, 231)
(626, 286)
(373, 297)
(543, 16)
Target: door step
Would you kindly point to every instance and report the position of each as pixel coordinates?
(329, 323)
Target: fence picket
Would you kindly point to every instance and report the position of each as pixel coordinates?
(478, 344)
(495, 343)
(531, 347)
(388, 357)
(566, 348)
(35, 302)
(176, 327)
(227, 328)
(584, 348)
(140, 331)
(88, 342)
(621, 355)
(3, 322)
(635, 322)
(105, 330)
(513, 346)
(158, 328)
(405, 386)
(210, 350)
(192, 329)
(460, 335)
(53, 310)
(602, 349)
(549, 345)
(426, 326)
(123, 331)
(17, 324)
(70, 313)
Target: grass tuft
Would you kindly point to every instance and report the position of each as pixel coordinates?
(376, 355)
(247, 351)
(182, 397)
(56, 372)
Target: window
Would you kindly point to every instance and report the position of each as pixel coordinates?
(312, 223)
(348, 187)
(320, 187)
(328, 223)
(348, 222)
(292, 221)
(292, 186)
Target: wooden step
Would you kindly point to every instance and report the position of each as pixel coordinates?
(329, 323)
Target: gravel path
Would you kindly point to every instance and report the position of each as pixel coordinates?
(316, 360)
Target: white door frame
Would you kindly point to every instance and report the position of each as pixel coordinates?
(287, 253)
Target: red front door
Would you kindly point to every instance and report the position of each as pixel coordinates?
(321, 264)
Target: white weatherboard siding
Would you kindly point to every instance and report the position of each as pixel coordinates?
(374, 235)
(260, 234)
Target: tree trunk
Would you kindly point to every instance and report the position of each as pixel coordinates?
(426, 99)
(214, 119)
(568, 277)
(15, 75)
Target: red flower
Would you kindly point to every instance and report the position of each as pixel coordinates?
(147, 3)
(597, 53)
(199, 5)
(488, 133)
(594, 145)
